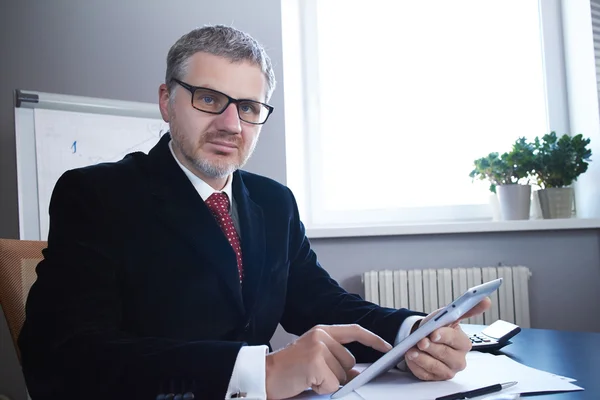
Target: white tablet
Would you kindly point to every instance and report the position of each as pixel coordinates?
(446, 316)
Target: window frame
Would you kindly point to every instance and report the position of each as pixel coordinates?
(302, 116)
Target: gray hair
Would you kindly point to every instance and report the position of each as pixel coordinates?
(222, 41)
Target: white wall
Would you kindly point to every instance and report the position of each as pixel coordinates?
(583, 98)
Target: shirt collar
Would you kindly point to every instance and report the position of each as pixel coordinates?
(203, 188)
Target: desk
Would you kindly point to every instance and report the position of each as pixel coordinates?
(572, 354)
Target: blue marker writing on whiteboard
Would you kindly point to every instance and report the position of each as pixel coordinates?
(74, 146)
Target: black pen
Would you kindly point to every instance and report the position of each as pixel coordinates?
(478, 392)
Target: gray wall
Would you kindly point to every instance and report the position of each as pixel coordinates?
(565, 265)
(110, 49)
(116, 49)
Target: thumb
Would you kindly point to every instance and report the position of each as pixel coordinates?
(478, 309)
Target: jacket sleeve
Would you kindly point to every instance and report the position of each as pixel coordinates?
(314, 298)
(72, 344)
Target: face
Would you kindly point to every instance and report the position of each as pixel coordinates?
(213, 146)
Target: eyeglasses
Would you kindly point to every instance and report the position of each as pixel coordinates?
(214, 102)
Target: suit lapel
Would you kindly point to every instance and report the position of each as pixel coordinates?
(252, 227)
(179, 206)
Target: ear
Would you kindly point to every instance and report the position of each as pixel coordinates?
(163, 101)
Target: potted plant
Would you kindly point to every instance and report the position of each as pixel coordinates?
(491, 169)
(558, 162)
(506, 174)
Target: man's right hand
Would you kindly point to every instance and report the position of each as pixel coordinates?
(317, 360)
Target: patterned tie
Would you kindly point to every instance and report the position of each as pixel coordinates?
(218, 204)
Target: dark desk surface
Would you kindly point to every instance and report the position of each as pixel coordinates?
(572, 354)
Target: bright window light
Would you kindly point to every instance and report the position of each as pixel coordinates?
(401, 96)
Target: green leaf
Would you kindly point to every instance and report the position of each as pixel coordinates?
(559, 161)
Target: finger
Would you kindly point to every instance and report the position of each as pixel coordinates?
(351, 374)
(452, 337)
(342, 354)
(478, 309)
(356, 333)
(333, 364)
(428, 368)
(419, 372)
(325, 381)
(453, 359)
(429, 316)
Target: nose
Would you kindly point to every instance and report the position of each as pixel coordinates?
(229, 120)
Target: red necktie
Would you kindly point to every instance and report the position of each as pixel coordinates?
(218, 204)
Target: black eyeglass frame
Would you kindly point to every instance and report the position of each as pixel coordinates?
(192, 89)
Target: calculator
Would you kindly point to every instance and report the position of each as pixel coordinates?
(492, 337)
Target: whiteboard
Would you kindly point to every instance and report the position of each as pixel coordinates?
(56, 136)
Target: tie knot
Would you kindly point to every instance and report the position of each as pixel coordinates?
(218, 203)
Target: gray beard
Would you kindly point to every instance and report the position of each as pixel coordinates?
(213, 170)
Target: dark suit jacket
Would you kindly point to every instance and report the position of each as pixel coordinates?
(138, 291)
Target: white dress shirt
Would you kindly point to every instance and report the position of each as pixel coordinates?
(249, 375)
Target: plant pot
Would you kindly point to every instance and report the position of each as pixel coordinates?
(495, 205)
(515, 201)
(556, 202)
(536, 209)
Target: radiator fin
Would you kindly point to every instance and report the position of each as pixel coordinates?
(400, 289)
(428, 289)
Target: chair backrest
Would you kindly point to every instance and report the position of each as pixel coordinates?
(18, 259)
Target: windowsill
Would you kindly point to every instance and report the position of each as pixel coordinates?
(452, 227)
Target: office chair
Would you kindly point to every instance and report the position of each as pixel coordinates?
(18, 259)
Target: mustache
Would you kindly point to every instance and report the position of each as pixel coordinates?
(222, 137)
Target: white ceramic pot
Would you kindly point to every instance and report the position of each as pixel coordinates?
(495, 204)
(515, 201)
(556, 202)
(536, 209)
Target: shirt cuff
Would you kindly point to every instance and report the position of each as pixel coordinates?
(248, 379)
(403, 333)
(406, 327)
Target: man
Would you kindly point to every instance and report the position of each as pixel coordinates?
(166, 274)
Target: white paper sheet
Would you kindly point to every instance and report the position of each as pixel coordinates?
(310, 395)
(482, 370)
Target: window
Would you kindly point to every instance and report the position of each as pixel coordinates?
(595, 12)
(389, 102)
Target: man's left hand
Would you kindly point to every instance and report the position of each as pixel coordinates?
(442, 354)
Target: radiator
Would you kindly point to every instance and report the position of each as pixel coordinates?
(430, 289)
